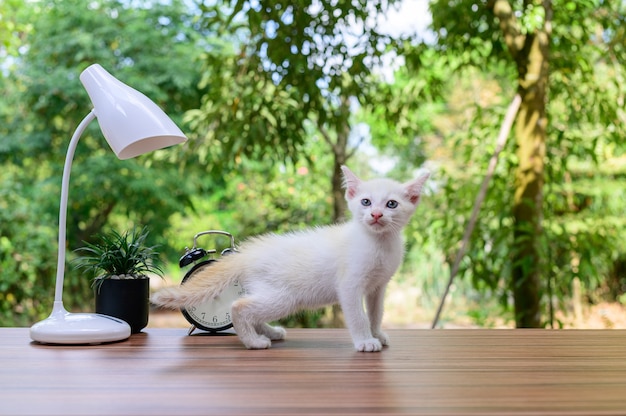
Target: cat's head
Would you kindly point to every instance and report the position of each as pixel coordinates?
(382, 205)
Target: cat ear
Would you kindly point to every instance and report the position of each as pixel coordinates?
(351, 182)
(413, 189)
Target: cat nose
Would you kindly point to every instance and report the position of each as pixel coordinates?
(376, 215)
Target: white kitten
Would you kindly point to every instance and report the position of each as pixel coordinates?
(345, 264)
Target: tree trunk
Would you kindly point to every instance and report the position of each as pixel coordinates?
(339, 148)
(530, 132)
(339, 202)
(527, 207)
(529, 48)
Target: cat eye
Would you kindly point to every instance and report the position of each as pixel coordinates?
(392, 204)
(366, 202)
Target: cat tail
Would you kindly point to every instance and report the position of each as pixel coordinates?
(204, 285)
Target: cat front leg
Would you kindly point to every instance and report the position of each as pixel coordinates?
(357, 321)
(374, 302)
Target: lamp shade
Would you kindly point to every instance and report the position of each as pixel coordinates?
(131, 123)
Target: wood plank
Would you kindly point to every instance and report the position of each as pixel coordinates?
(316, 371)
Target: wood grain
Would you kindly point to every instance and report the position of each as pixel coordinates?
(316, 371)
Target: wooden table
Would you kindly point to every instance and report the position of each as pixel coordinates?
(316, 371)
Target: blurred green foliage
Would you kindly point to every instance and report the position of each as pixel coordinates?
(259, 104)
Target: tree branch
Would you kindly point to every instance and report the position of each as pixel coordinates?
(505, 129)
(353, 151)
(325, 135)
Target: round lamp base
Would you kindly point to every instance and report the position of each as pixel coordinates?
(62, 327)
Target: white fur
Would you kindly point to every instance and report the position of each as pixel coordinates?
(347, 264)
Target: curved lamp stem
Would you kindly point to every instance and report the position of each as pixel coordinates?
(65, 187)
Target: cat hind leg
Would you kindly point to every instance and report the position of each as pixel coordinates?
(254, 335)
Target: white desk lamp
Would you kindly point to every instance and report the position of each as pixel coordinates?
(132, 125)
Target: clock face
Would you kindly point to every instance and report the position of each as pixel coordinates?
(213, 315)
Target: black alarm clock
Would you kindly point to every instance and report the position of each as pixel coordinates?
(214, 315)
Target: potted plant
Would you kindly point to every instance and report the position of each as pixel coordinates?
(120, 264)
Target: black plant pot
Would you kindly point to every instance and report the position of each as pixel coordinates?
(126, 299)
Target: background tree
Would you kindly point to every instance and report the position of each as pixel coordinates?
(291, 70)
(552, 51)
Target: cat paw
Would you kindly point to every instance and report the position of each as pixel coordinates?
(382, 337)
(368, 345)
(275, 333)
(258, 343)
